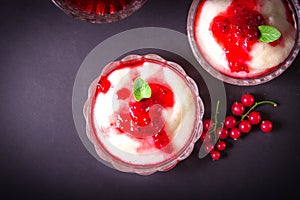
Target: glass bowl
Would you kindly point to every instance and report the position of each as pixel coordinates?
(137, 149)
(206, 60)
(99, 11)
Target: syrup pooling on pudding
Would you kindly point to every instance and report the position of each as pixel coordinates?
(227, 34)
(149, 131)
(236, 31)
(144, 118)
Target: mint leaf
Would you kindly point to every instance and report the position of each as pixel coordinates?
(268, 33)
(141, 89)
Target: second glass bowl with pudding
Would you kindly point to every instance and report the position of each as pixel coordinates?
(234, 40)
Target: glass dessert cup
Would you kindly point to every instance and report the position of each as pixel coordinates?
(175, 111)
(99, 11)
(218, 64)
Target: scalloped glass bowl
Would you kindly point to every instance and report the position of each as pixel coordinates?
(97, 11)
(265, 77)
(170, 161)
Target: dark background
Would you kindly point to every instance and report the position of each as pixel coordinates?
(41, 155)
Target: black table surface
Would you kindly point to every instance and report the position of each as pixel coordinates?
(43, 157)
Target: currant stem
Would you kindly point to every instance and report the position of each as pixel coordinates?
(255, 105)
(215, 122)
(216, 116)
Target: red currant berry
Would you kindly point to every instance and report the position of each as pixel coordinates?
(207, 124)
(215, 155)
(237, 108)
(230, 121)
(222, 132)
(208, 137)
(235, 133)
(208, 147)
(254, 117)
(266, 126)
(203, 135)
(221, 145)
(245, 126)
(247, 99)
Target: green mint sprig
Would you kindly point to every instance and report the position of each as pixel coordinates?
(268, 33)
(141, 89)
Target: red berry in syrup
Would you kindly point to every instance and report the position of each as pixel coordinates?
(266, 126)
(247, 100)
(254, 117)
(215, 155)
(237, 108)
(207, 124)
(161, 139)
(222, 132)
(221, 145)
(245, 126)
(235, 133)
(230, 121)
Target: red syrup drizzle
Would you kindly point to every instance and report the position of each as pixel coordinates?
(99, 7)
(144, 118)
(139, 111)
(104, 84)
(236, 29)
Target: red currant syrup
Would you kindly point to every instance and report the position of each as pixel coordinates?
(139, 111)
(103, 85)
(99, 7)
(144, 118)
(236, 30)
(161, 139)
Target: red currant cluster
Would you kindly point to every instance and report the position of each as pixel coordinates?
(241, 121)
